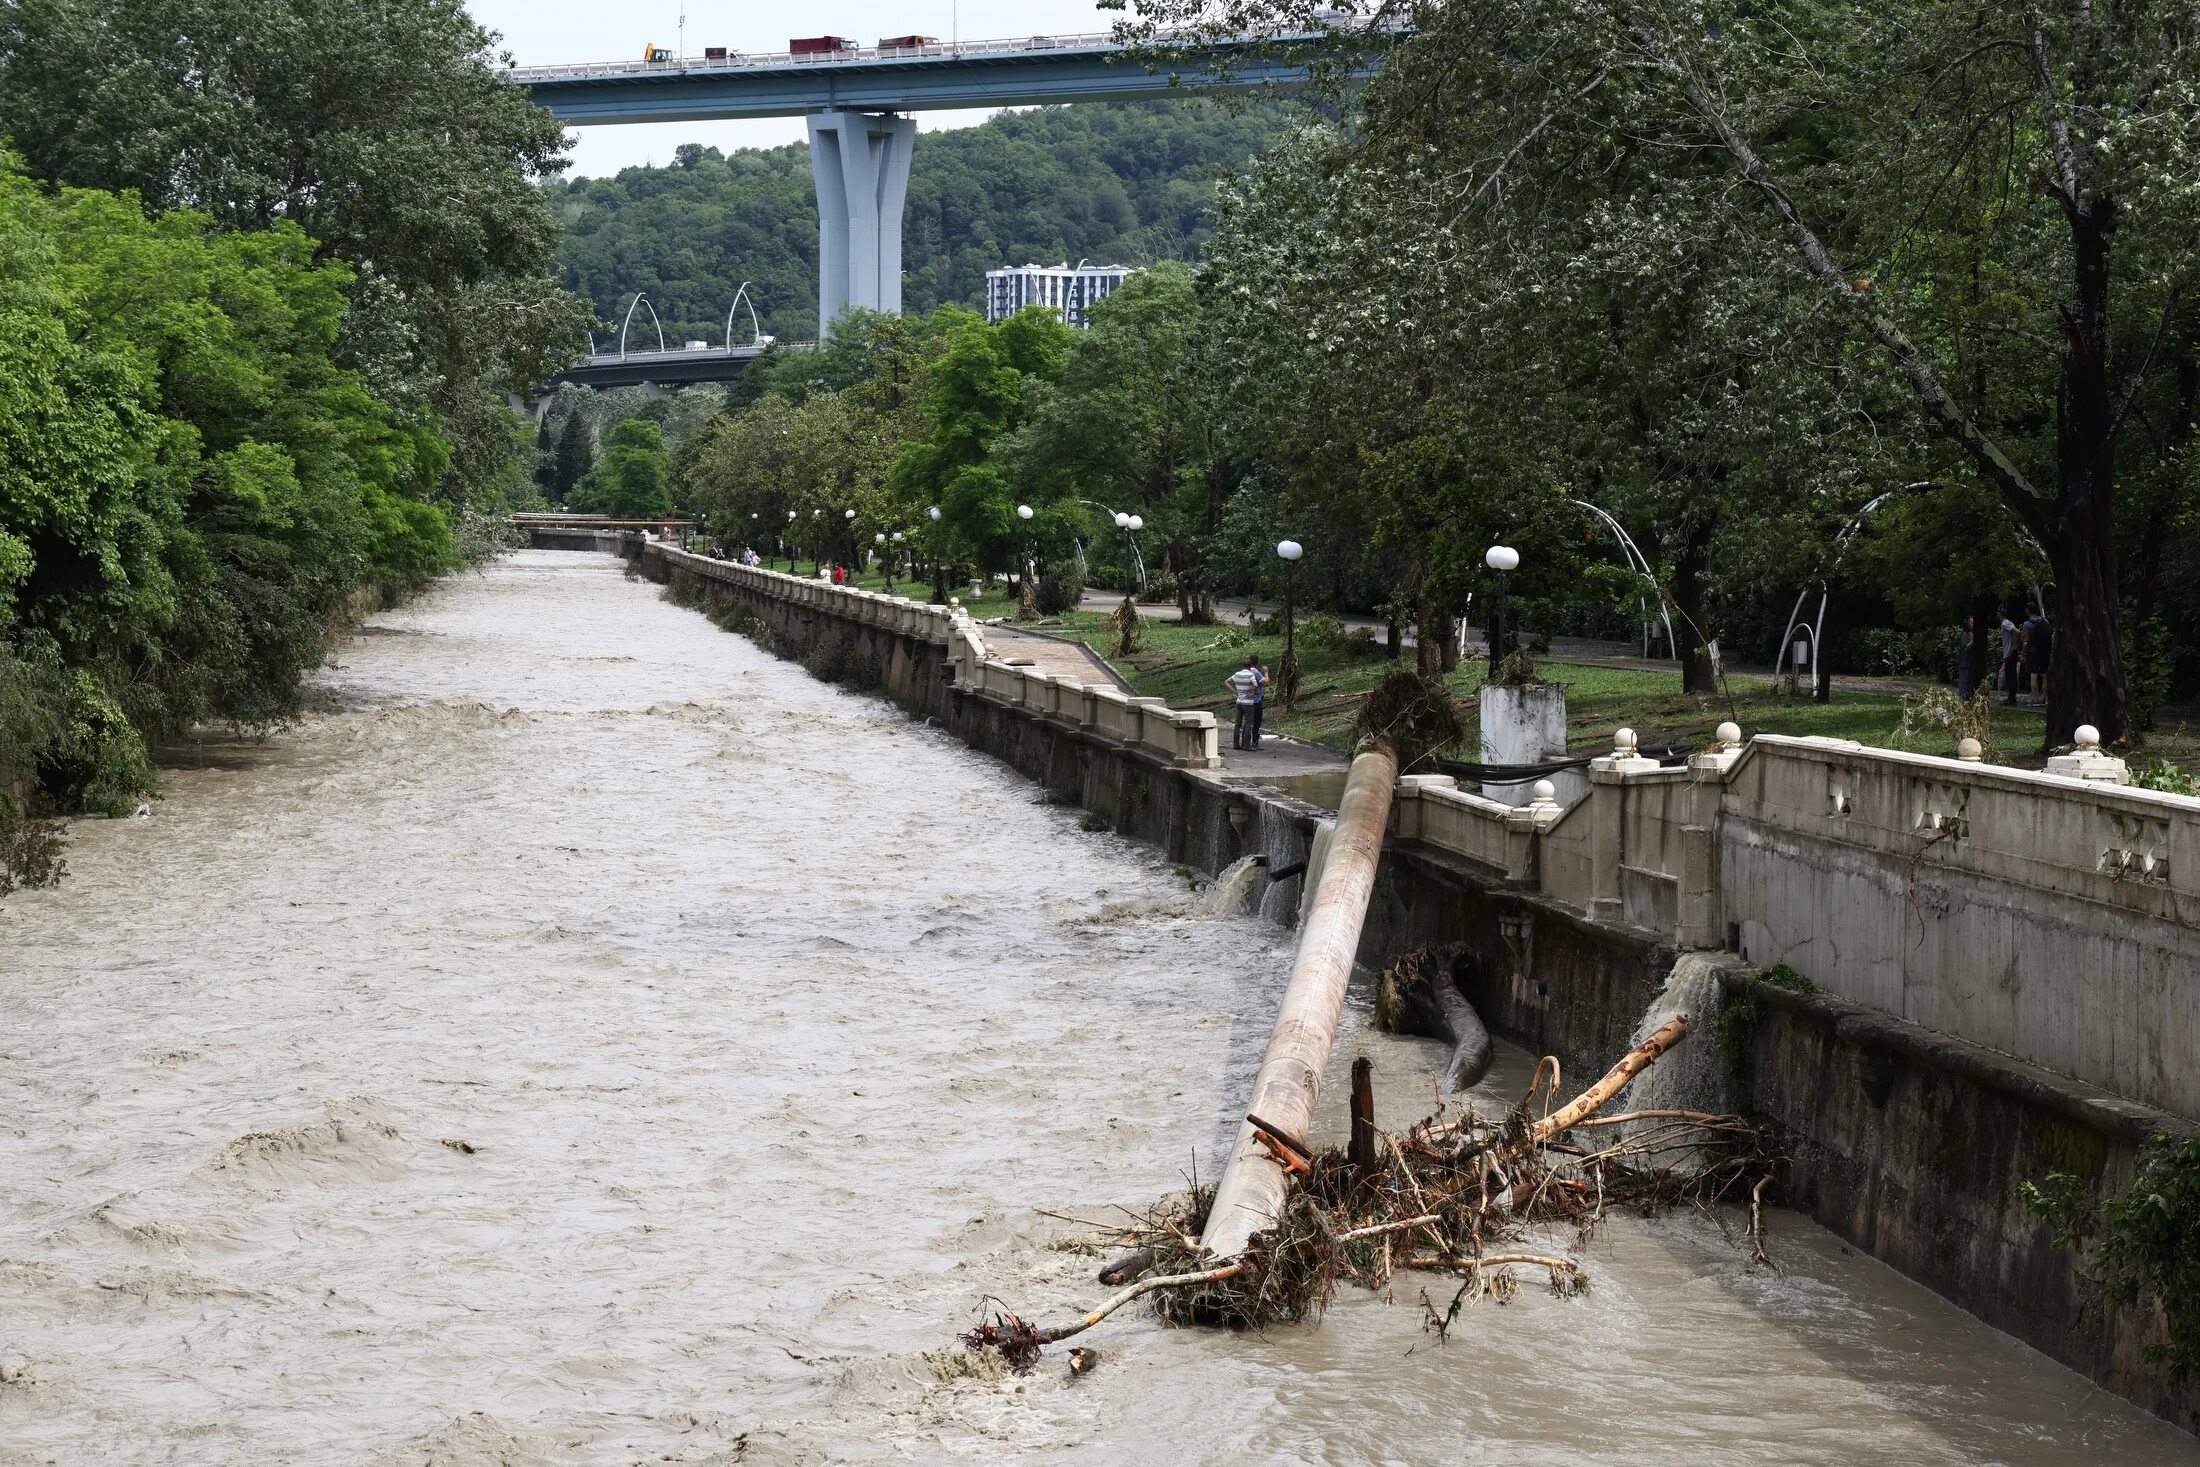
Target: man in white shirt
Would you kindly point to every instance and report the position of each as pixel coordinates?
(1245, 684)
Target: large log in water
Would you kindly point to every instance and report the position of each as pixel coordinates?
(1251, 1193)
(1431, 1005)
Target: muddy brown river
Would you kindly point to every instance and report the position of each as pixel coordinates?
(590, 1040)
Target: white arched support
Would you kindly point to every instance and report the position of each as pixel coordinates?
(742, 298)
(1640, 564)
(1814, 631)
(640, 301)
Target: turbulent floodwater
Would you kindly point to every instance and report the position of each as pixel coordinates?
(593, 1041)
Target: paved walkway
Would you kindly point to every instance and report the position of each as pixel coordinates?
(1277, 758)
(1055, 656)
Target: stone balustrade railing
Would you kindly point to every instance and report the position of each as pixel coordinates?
(2051, 916)
(1184, 738)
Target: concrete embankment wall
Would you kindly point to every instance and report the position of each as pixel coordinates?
(1907, 1139)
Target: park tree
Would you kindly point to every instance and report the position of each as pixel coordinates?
(1984, 213)
(381, 131)
(631, 480)
(1124, 428)
(980, 388)
(572, 458)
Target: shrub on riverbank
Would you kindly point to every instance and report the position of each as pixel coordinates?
(191, 488)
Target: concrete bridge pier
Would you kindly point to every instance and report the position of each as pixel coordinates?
(860, 161)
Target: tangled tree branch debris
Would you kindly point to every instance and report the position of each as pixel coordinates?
(1448, 1195)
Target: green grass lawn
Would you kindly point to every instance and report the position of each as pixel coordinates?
(1187, 665)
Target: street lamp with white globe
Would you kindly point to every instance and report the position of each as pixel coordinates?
(937, 551)
(1504, 560)
(1287, 671)
(1027, 601)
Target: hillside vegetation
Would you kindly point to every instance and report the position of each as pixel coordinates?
(1126, 183)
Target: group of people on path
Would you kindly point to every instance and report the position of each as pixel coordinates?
(2025, 648)
(1249, 685)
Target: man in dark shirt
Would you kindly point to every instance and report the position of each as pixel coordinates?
(2039, 641)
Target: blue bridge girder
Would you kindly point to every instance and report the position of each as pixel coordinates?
(1024, 71)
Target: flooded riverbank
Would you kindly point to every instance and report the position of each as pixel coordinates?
(593, 1040)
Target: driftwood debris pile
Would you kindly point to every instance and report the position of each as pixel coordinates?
(1456, 1197)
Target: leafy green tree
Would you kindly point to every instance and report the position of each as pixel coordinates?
(631, 481)
(979, 390)
(1125, 429)
(1974, 230)
(191, 488)
(382, 131)
(572, 458)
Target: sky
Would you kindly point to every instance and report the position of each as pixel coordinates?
(544, 32)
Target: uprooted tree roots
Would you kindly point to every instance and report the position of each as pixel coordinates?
(1451, 1196)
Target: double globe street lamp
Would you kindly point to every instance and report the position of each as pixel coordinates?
(1130, 525)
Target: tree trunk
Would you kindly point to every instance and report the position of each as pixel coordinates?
(2085, 671)
(1447, 628)
(1428, 638)
(1688, 573)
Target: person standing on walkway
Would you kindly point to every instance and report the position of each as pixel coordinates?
(2039, 641)
(2011, 669)
(1244, 685)
(1966, 669)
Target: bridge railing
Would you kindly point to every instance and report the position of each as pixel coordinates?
(945, 50)
(939, 50)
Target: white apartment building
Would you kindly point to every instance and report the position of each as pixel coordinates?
(1066, 289)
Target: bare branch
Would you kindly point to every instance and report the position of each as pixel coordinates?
(1530, 135)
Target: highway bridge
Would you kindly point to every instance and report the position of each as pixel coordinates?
(855, 99)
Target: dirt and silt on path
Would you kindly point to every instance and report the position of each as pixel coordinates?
(594, 1041)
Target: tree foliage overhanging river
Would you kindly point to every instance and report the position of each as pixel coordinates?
(592, 1040)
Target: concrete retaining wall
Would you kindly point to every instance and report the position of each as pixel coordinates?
(1908, 1142)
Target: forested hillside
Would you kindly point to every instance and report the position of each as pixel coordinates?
(1126, 183)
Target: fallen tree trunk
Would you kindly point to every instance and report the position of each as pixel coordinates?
(1470, 1055)
(1428, 1002)
(1251, 1193)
